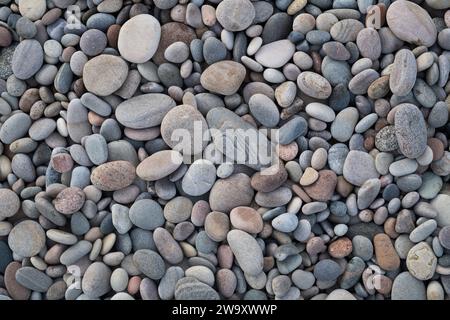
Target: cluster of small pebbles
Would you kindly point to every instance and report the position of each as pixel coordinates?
(97, 200)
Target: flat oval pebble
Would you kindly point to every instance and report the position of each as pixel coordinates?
(114, 175)
(411, 23)
(246, 250)
(275, 54)
(9, 203)
(27, 59)
(264, 110)
(246, 219)
(144, 111)
(70, 200)
(403, 74)
(33, 279)
(183, 120)
(95, 282)
(410, 130)
(314, 85)
(159, 165)
(359, 167)
(199, 178)
(139, 38)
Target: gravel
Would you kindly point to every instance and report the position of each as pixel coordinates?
(234, 149)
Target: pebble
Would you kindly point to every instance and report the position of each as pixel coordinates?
(422, 231)
(9, 203)
(139, 38)
(224, 77)
(411, 23)
(327, 270)
(27, 59)
(264, 110)
(167, 246)
(104, 67)
(114, 175)
(406, 287)
(275, 54)
(144, 111)
(149, 263)
(246, 250)
(344, 124)
(421, 261)
(359, 167)
(69, 200)
(314, 85)
(387, 257)
(323, 188)
(235, 15)
(246, 219)
(191, 289)
(217, 225)
(27, 238)
(234, 191)
(96, 280)
(410, 130)
(403, 73)
(33, 279)
(146, 214)
(159, 165)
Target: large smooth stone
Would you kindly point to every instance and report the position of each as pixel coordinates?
(139, 38)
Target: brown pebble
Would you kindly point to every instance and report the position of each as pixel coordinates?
(172, 32)
(226, 282)
(199, 211)
(217, 225)
(301, 193)
(133, 285)
(323, 188)
(386, 256)
(54, 253)
(67, 54)
(389, 227)
(51, 16)
(62, 162)
(382, 284)
(113, 35)
(340, 248)
(225, 256)
(343, 187)
(15, 290)
(246, 219)
(437, 147)
(95, 119)
(268, 263)
(28, 99)
(269, 179)
(114, 175)
(70, 200)
(5, 37)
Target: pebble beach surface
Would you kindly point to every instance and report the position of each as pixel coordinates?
(107, 191)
